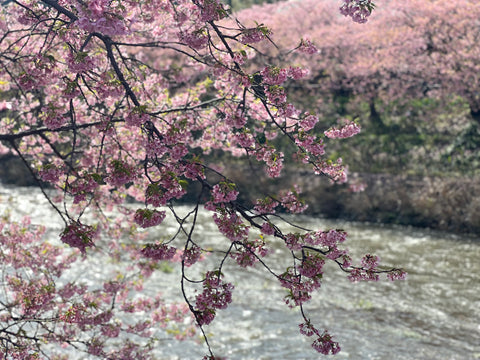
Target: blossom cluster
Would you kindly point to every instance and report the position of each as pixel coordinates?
(32, 295)
(99, 16)
(237, 121)
(244, 139)
(196, 40)
(216, 295)
(224, 192)
(368, 271)
(297, 72)
(148, 218)
(27, 81)
(273, 75)
(155, 147)
(78, 235)
(287, 114)
(302, 280)
(50, 173)
(359, 274)
(70, 90)
(248, 252)
(265, 206)
(52, 117)
(121, 173)
(107, 86)
(323, 342)
(79, 314)
(350, 129)
(255, 35)
(268, 228)
(307, 47)
(308, 122)
(334, 170)
(158, 252)
(358, 10)
(309, 146)
(211, 10)
(191, 255)
(312, 266)
(276, 95)
(273, 159)
(80, 62)
(370, 261)
(325, 345)
(291, 201)
(32, 291)
(136, 117)
(396, 274)
(169, 187)
(83, 186)
(5, 105)
(38, 74)
(154, 195)
(267, 85)
(299, 288)
(328, 240)
(107, 25)
(230, 224)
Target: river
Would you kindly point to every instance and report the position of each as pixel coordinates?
(433, 315)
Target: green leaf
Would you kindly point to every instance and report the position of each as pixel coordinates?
(183, 184)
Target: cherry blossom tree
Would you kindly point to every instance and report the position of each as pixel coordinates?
(114, 107)
(412, 48)
(407, 76)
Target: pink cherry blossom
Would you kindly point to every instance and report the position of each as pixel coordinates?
(358, 10)
(216, 295)
(397, 274)
(192, 255)
(307, 47)
(148, 218)
(158, 251)
(325, 345)
(78, 235)
(50, 173)
(224, 192)
(120, 173)
(255, 35)
(308, 122)
(348, 130)
(274, 75)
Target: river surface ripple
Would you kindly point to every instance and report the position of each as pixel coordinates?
(433, 315)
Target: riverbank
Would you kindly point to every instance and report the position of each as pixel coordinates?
(441, 203)
(449, 204)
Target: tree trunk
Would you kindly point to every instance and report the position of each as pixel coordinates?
(375, 118)
(475, 114)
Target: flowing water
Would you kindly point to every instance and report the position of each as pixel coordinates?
(433, 315)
